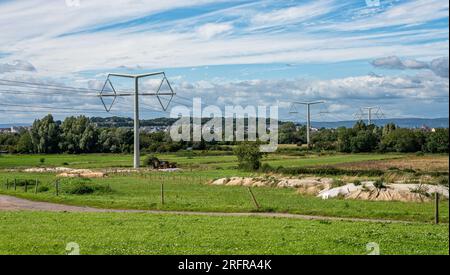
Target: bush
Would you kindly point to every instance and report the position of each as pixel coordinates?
(151, 161)
(265, 168)
(83, 187)
(249, 156)
(337, 183)
(443, 180)
(357, 182)
(379, 184)
(42, 160)
(43, 188)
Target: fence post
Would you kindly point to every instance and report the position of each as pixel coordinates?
(57, 187)
(436, 209)
(26, 186)
(15, 184)
(253, 197)
(36, 186)
(162, 193)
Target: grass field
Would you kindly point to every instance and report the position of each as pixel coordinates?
(187, 190)
(120, 233)
(226, 161)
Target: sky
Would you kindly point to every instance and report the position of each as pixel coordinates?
(388, 53)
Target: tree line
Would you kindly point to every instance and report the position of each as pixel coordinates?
(369, 138)
(81, 134)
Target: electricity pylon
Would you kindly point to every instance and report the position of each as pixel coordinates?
(136, 95)
(361, 114)
(308, 120)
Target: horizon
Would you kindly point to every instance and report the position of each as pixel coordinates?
(384, 120)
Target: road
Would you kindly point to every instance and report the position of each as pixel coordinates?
(10, 203)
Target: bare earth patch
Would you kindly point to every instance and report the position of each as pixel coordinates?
(422, 163)
(325, 188)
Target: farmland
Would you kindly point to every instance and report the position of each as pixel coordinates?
(188, 190)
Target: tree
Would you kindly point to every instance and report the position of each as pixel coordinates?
(249, 155)
(437, 142)
(78, 135)
(344, 139)
(388, 128)
(325, 139)
(25, 144)
(364, 141)
(402, 140)
(45, 135)
(288, 134)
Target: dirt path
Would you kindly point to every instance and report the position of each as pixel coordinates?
(10, 203)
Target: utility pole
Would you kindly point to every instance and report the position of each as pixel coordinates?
(136, 94)
(308, 119)
(369, 113)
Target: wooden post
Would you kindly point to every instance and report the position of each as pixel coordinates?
(162, 193)
(57, 187)
(253, 197)
(7, 184)
(26, 186)
(15, 184)
(36, 186)
(436, 209)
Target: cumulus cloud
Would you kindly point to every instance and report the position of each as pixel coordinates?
(17, 65)
(439, 65)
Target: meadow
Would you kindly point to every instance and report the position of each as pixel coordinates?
(210, 161)
(140, 233)
(188, 190)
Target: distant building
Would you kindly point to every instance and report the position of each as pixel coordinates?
(13, 129)
(425, 128)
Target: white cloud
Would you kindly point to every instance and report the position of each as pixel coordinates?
(439, 65)
(17, 65)
(293, 14)
(408, 14)
(210, 30)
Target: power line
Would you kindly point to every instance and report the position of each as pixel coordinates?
(40, 93)
(49, 85)
(42, 107)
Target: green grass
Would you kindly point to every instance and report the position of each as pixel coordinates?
(140, 233)
(189, 191)
(226, 161)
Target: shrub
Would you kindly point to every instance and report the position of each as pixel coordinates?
(379, 184)
(42, 160)
(337, 183)
(83, 187)
(249, 156)
(151, 161)
(266, 168)
(357, 182)
(443, 180)
(43, 188)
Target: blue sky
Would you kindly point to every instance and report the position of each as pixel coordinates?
(392, 54)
